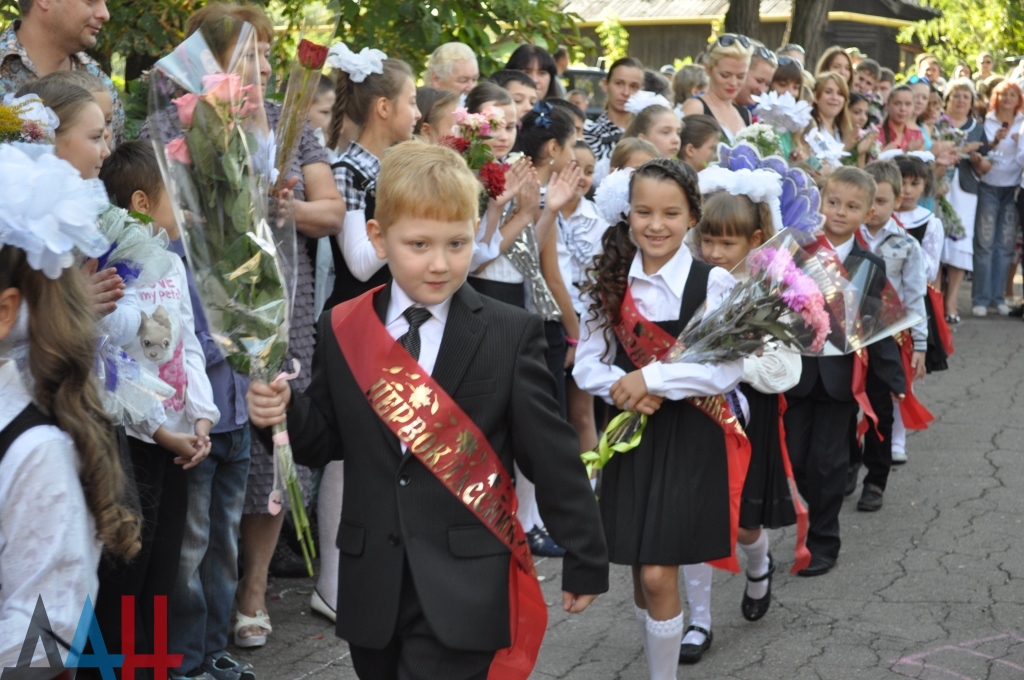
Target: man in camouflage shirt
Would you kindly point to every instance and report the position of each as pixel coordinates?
(52, 36)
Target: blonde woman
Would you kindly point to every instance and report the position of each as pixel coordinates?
(728, 60)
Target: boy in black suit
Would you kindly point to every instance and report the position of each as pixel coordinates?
(822, 405)
(428, 542)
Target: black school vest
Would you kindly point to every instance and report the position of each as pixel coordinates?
(346, 285)
(30, 417)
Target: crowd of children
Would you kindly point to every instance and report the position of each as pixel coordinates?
(527, 320)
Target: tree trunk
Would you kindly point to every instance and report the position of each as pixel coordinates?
(807, 27)
(744, 18)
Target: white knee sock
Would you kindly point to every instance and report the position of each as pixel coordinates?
(899, 432)
(698, 579)
(526, 495)
(641, 622)
(663, 647)
(328, 513)
(757, 565)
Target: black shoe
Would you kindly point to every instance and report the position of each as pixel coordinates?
(851, 480)
(542, 545)
(870, 499)
(693, 653)
(754, 609)
(286, 564)
(818, 566)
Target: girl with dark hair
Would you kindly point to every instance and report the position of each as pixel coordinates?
(625, 78)
(536, 62)
(646, 271)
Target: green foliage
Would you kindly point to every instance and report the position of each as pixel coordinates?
(614, 38)
(968, 28)
(143, 29)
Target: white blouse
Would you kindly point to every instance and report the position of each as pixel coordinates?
(658, 297)
(48, 544)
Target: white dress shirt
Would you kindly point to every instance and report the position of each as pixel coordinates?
(48, 543)
(431, 331)
(934, 235)
(658, 297)
(843, 250)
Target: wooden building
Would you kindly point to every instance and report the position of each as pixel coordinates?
(661, 31)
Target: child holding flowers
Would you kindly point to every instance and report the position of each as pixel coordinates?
(644, 273)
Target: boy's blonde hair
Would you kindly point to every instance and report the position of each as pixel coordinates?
(426, 181)
(857, 178)
(886, 172)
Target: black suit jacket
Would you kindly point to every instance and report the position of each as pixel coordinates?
(836, 373)
(491, 361)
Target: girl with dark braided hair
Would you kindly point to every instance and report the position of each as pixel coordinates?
(666, 502)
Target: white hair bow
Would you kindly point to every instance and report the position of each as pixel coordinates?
(760, 186)
(612, 197)
(357, 66)
(644, 98)
(49, 211)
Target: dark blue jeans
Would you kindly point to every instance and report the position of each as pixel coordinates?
(995, 237)
(200, 609)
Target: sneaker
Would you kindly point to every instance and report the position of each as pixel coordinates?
(899, 457)
(979, 310)
(1003, 309)
(542, 545)
(870, 499)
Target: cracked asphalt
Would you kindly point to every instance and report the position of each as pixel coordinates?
(930, 587)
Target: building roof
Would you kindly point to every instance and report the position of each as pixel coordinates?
(653, 10)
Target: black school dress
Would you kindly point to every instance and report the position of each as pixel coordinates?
(935, 358)
(767, 500)
(667, 501)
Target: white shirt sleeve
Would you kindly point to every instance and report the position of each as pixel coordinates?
(915, 287)
(931, 244)
(122, 325)
(48, 541)
(356, 247)
(485, 251)
(199, 394)
(775, 371)
(594, 372)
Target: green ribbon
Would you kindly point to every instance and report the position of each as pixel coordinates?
(622, 434)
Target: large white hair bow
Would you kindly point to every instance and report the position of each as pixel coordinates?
(612, 197)
(644, 98)
(890, 154)
(49, 211)
(357, 66)
(760, 186)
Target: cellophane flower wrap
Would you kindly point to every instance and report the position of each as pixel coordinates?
(785, 114)
(946, 131)
(469, 137)
(762, 137)
(217, 159)
(780, 301)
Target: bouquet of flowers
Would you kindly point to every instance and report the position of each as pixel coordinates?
(302, 83)
(946, 131)
(218, 163)
(763, 138)
(826, 149)
(780, 301)
(468, 137)
(873, 151)
(784, 114)
(27, 119)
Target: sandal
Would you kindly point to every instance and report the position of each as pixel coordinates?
(261, 622)
(225, 668)
(952, 319)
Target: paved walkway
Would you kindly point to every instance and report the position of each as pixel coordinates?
(930, 587)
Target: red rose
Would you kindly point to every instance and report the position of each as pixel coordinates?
(311, 55)
(492, 175)
(457, 143)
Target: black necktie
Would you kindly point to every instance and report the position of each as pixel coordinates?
(417, 316)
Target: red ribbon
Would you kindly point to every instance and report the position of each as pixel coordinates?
(938, 309)
(449, 444)
(801, 552)
(915, 415)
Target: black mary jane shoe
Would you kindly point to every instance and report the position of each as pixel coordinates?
(692, 653)
(754, 609)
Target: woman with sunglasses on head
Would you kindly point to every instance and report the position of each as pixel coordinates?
(728, 60)
(759, 77)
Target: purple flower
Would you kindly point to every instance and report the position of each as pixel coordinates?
(743, 156)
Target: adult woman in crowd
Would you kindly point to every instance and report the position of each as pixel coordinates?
(728, 59)
(828, 113)
(836, 60)
(958, 249)
(537, 62)
(995, 228)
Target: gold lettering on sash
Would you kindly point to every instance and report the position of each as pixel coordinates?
(403, 413)
(385, 402)
(468, 496)
(378, 389)
(438, 452)
(423, 443)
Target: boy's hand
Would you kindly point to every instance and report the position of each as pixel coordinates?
(103, 288)
(629, 390)
(917, 363)
(898, 398)
(268, 403)
(574, 603)
(203, 443)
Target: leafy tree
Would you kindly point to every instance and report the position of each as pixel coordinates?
(807, 27)
(614, 38)
(744, 17)
(967, 28)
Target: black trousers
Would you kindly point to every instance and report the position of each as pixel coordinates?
(555, 358)
(817, 429)
(876, 453)
(163, 498)
(414, 652)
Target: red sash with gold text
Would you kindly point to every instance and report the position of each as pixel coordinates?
(644, 342)
(449, 444)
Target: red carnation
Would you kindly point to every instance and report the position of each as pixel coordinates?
(311, 55)
(457, 143)
(492, 175)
